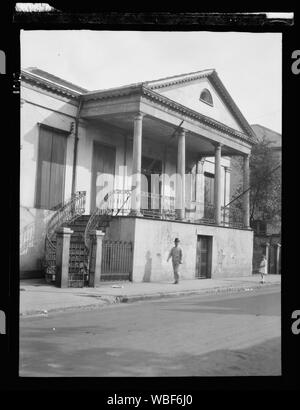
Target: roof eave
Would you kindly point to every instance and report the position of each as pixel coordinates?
(113, 92)
(48, 84)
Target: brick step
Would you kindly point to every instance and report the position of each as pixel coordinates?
(77, 235)
(84, 217)
(77, 228)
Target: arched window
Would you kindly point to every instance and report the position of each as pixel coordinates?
(206, 97)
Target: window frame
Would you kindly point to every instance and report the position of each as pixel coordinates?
(205, 90)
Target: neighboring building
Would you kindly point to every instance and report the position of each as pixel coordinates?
(268, 232)
(188, 124)
(262, 226)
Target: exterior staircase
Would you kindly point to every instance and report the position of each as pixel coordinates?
(71, 215)
(78, 226)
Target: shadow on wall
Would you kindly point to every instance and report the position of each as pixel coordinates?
(32, 237)
(33, 220)
(148, 267)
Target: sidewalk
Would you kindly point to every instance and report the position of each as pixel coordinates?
(39, 298)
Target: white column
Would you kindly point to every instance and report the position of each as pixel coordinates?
(246, 196)
(180, 180)
(217, 185)
(96, 241)
(136, 165)
(63, 239)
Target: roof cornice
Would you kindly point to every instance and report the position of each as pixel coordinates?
(114, 92)
(147, 90)
(235, 110)
(49, 85)
(177, 79)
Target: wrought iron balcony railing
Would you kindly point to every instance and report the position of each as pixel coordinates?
(113, 204)
(158, 206)
(232, 217)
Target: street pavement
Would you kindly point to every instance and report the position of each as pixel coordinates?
(39, 298)
(208, 334)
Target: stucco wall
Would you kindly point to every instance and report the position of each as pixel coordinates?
(32, 237)
(231, 248)
(37, 107)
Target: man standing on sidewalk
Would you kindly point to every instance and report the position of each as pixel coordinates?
(176, 255)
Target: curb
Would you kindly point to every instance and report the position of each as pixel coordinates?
(136, 298)
(118, 299)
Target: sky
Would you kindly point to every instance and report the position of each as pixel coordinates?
(249, 64)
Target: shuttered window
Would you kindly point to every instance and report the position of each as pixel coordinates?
(50, 168)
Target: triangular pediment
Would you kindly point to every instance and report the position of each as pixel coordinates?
(204, 93)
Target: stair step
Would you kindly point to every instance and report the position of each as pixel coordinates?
(77, 228)
(84, 217)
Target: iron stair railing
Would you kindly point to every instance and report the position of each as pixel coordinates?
(111, 205)
(67, 213)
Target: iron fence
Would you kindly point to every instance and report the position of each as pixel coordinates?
(49, 263)
(116, 261)
(78, 265)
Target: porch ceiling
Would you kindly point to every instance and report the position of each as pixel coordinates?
(162, 132)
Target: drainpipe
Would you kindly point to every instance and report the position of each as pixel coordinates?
(75, 147)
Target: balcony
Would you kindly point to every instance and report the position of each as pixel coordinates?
(156, 206)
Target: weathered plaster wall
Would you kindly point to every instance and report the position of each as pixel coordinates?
(231, 250)
(32, 237)
(121, 229)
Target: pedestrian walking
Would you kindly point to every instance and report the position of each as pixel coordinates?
(176, 254)
(263, 268)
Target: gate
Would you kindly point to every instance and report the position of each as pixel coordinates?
(116, 261)
(78, 275)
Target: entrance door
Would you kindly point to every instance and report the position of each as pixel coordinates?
(203, 258)
(209, 180)
(104, 158)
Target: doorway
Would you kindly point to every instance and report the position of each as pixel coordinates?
(104, 159)
(203, 257)
(151, 191)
